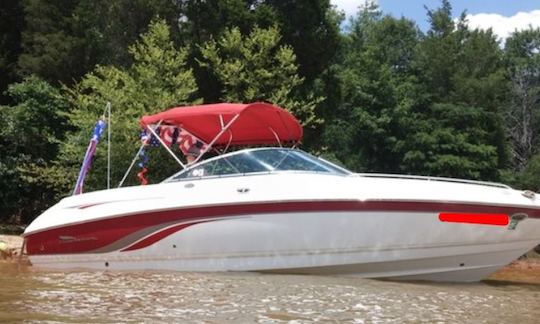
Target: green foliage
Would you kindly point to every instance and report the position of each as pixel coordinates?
(452, 142)
(108, 28)
(256, 68)
(450, 102)
(462, 71)
(11, 24)
(529, 179)
(379, 96)
(50, 49)
(158, 79)
(63, 40)
(522, 48)
(311, 27)
(426, 105)
(202, 20)
(31, 131)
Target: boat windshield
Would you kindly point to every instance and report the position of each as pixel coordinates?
(259, 160)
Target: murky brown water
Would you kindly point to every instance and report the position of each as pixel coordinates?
(105, 297)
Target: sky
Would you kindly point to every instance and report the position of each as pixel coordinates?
(503, 16)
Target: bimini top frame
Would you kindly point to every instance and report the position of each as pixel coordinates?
(226, 124)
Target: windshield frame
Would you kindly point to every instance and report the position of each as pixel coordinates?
(331, 168)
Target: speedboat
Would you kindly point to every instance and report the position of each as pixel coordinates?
(278, 209)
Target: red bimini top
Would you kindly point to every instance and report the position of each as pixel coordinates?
(240, 124)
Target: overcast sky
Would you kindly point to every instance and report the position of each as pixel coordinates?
(503, 16)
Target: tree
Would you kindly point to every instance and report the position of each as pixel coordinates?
(108, 28)
(438, 54)
(158, 78)
(201, 21)
(311, 28)
(11, 24)
(462, 72)
(529, 178)
(427, 105)
(256, 68)
(32, 129)
(522, 51)
(379, 96)
(450, 140)
(50, 49)
(63, 40)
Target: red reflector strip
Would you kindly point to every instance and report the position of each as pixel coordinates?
(486, 219)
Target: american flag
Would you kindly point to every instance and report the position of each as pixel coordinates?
(189, 144)
(169, 135)
(149, 139)
(90, 151)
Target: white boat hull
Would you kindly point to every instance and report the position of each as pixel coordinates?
(408, 245)
(375, 228)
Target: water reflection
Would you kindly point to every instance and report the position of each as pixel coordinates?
(104, 297)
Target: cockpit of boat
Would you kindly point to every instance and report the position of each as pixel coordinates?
(259, 160)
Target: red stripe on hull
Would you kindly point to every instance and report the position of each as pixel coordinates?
(97, 234)
(484, 219)
(157, 237)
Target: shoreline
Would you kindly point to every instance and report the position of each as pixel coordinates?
(10, 247)
(523, 271)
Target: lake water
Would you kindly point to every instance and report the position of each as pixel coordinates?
(105, 297)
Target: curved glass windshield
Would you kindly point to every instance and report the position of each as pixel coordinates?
(259, 160)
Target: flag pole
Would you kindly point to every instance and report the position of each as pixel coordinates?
(108, 107)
